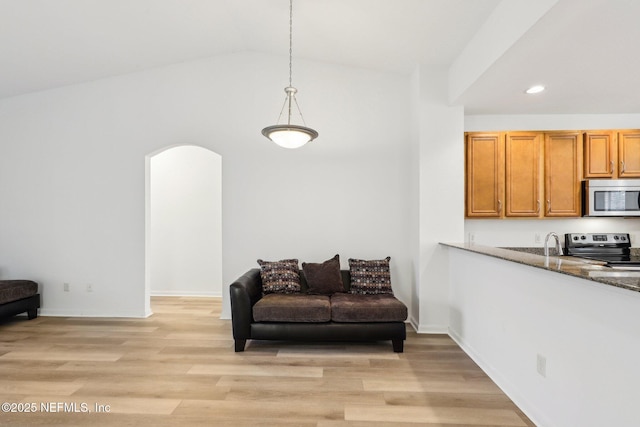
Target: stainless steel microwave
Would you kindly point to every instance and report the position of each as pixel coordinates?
(611, 197)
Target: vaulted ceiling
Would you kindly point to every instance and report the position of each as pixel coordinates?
(585, 51)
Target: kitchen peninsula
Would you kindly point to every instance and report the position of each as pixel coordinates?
(559, 335)
(577, 267)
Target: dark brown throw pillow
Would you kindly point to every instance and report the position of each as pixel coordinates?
(280, 276)
(323, 278)
(370, 277)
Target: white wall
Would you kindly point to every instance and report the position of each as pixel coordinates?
(186, 222)
(72, 174)
(414, 189)
(519, 232)
(441, 195)
(478, 123)
(504, 314)
(531, 233)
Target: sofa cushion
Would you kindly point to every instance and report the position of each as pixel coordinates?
(370, 277)
(280, 276)
(292, 308)
(367, 308)
(323, 278)
(14, 290)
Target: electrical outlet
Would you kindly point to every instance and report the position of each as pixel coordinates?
(541, 365)
(538, 238)
(471, 238)
(65, 287)
(89, 287)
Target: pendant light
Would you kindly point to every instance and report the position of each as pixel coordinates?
(289, 135)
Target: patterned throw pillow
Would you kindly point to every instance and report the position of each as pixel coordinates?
(280, 276)
(370, 277)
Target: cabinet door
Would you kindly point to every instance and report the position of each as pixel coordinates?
(485, 175)
(562, 160)
(600, 155)
(522, 181)
(629, 154)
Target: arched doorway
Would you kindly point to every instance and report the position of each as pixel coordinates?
(184, 222)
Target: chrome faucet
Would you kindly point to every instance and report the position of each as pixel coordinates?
(546, 244)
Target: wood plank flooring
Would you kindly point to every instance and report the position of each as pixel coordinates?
(178, 368)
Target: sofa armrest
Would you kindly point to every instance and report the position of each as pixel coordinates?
(244, 292)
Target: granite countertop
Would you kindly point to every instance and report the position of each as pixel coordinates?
(572, 266)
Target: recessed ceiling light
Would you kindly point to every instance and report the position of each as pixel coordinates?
(535, 89)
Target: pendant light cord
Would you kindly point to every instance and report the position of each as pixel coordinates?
(290, 39)
(295, 100)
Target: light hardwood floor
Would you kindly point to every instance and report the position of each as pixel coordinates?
(178, 368)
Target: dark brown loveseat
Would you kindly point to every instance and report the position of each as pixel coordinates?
(341, 316)
(19, 296)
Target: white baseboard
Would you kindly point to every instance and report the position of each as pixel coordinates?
(91, 313)
(414, 323)
(433, 329)
(173, 293)
(428, 329)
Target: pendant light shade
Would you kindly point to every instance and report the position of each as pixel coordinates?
(289, 135)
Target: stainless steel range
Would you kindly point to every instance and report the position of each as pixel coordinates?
(612, 248)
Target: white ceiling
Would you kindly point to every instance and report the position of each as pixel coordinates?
(585, 51)
(587, 54)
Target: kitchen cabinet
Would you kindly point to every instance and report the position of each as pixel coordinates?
(484, 182)
(629, 154)
(539, 174)
(600, 154)
(522, 174)
(612, 154)
(562, 174)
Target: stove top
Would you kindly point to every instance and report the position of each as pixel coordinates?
(612, 248)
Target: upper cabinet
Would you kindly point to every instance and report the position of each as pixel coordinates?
(612, 154)
(504, 174)
(629, 154)
(522, 174)
(539, 174)
(485, 175)
(562, 174)
(600, 155)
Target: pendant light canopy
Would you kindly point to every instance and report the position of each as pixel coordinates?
(289, 135)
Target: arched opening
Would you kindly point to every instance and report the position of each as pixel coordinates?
(183, 223)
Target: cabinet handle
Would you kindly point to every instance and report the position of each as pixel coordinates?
(611, 167)
(499, 205)
(548, 206)
(622, 164)
(538, 211)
